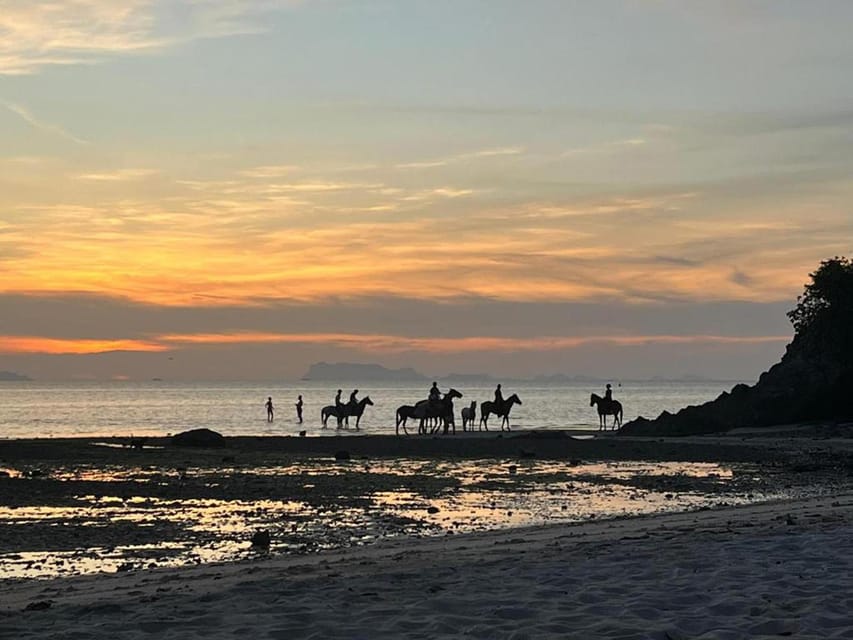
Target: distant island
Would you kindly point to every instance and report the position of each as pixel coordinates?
(356, 371)
(371, 372)
(11, 376)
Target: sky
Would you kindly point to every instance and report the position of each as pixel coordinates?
(234, 189)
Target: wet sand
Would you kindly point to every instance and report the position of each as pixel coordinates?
(769, 569)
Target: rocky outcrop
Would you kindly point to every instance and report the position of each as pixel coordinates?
(812, 382)
(198, 438)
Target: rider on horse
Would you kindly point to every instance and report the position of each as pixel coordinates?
(434, 395)
(499, 397)
(353, 400)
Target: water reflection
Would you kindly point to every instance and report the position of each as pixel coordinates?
(115, 531)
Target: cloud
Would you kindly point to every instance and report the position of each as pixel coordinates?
(371, 343)
(38, 34)
(36, 123)
(119, 175)
(53, 346)
(605, 147)
(462, 157)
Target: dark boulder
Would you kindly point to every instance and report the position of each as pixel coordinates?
(261, 540)
(198, 438)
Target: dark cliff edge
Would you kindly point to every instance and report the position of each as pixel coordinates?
(813, 381)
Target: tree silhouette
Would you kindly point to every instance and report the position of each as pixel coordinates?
(825, 310)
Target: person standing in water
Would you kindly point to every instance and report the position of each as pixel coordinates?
(299, 409)
(270, 410)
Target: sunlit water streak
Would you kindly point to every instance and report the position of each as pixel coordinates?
(30, 409)
(490, 494)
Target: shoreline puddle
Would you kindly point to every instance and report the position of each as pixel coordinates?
(106, 519)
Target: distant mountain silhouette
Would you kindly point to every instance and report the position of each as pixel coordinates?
(466, 377)
(562, 378)
(11, 376)
(357, 371)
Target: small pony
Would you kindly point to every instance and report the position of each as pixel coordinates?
(469, 414)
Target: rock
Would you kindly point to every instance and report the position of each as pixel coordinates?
(811, 383)
(39, 605)
(302, 434)
(342, 455)
(512, 469)
(198, 438)
(433, 509)
(261, 540)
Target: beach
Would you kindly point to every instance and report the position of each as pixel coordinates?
(772, 570)
(775, 565)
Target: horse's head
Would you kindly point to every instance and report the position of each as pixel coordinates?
(514, 399)
(473, 404)
(453, 393)
(366, 400)
(593, 399)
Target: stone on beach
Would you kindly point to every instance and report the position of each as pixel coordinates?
(198, 438)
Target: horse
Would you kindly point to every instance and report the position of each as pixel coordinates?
(605, 408)
(469, 414)
(440, 410)
(488, 407)
(345, 411)
(404, 413)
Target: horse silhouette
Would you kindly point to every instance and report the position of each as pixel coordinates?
(345, 411)
(488, 407)
(403, 414)
(439, 410)
(605, 408)
(469, 414)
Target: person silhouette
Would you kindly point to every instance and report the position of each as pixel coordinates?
(270, 410)
(608, 393)
(499, 397)
(434, 393)
(353, 400)
(299, 409)
(338, 402)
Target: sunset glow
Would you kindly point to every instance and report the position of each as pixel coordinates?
(437, 172)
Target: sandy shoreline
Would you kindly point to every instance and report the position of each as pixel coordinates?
(761, 570)
(775, 569)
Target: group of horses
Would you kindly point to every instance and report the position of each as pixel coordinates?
(435, 415)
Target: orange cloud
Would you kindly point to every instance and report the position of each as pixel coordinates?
(362, 342)
(392, 343)
(56, 346)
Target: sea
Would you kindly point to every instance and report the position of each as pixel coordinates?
(156, 408)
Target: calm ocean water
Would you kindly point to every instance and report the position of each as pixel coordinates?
(34, 409)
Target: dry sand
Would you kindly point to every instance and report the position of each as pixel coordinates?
(771, 570)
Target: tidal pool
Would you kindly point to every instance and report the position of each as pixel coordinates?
(103, 519)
